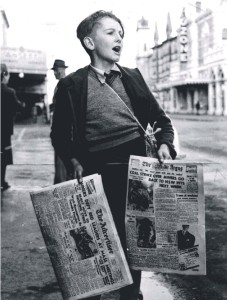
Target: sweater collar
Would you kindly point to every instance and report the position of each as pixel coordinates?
(100, 74)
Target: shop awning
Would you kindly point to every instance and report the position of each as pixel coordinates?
(191, 81)
(184, 82)
(21, 60)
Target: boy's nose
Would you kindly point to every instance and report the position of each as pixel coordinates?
(118, 37)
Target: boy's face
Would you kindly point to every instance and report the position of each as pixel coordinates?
(107, 38)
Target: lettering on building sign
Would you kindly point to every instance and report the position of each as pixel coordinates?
(22, 59)
(183, 41)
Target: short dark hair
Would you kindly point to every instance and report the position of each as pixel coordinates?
(87, 25)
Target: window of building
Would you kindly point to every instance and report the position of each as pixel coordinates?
(205, 38)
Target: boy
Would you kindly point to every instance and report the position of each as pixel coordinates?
(93, 130)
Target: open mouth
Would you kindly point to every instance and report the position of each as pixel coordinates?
(117, 49)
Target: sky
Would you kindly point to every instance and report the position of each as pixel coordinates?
(50, 25)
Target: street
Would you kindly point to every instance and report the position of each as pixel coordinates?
(27, 273)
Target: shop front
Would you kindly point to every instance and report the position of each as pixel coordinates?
(28, 73)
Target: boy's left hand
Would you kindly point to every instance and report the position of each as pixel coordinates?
(163, 153)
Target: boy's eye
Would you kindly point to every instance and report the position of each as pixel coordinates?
(113, 32)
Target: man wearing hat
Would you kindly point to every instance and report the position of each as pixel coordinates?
(59, 72)
(9, 106)
(59, 68)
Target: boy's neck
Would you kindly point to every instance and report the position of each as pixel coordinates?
(104, 66)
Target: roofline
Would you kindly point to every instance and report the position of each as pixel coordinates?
(164, 42)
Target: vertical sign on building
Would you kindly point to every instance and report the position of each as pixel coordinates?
(183, 38)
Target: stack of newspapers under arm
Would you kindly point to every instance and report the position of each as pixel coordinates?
(81, 238)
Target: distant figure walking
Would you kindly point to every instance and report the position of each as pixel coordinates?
(9, 106)
(197, 106)
(59, 73)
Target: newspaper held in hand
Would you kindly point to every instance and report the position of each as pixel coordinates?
(81, 238)
(165, 216)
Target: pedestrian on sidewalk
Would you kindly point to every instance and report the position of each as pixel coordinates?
(93, 130)
(60, 175)
(10, 104)
(197, 106)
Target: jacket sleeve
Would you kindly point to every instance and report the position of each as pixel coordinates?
(62, 127)
(16, 103)
(157, 114)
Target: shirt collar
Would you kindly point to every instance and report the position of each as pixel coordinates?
(101, 74)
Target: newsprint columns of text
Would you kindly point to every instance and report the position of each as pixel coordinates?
(165, 216)
(81, 238)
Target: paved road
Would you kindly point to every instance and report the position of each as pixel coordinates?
(26, 269)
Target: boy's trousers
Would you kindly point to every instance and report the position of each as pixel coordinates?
(113, 166)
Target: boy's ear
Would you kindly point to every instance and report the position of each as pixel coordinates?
(88, 42)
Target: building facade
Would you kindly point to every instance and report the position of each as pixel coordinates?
(189, 70)
(28, 70)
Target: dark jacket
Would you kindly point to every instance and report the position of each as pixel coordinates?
(69, 120)
(9, 106)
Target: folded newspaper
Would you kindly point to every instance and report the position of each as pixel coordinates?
(165, 216)
(81, 238)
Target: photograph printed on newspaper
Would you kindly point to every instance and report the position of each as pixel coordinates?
(81, 238)
(165, 216)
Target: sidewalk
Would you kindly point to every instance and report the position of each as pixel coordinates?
(26, 269)
(201, 117)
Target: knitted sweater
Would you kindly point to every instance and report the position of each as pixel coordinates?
(108, 121)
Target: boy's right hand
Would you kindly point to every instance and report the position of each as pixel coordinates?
(77, 170)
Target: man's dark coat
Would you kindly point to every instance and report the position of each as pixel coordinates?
(9, 106)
